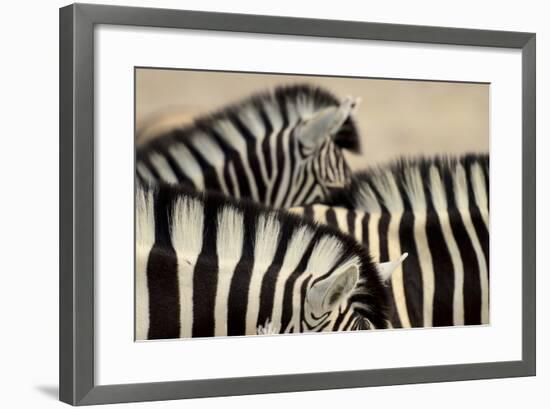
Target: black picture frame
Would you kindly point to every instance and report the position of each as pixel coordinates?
(76, 283)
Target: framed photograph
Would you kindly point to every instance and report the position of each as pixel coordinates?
(254, 204)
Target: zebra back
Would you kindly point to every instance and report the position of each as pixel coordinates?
(281, 149)
(207, 265)
(437, 211)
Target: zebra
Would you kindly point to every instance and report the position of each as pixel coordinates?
(281, 149)
(436, 210)
(209, 265)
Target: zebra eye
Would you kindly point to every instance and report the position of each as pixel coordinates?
(363, 324)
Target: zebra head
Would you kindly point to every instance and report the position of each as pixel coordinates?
(208, 265)
(281, 149)
(352, 297)
(321, 140)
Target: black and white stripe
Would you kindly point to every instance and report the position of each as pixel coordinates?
(437, 211)
(281, 149)
(207, 265)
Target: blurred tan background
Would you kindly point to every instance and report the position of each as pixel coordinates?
(395, 118)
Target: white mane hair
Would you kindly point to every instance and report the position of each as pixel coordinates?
(444, 182)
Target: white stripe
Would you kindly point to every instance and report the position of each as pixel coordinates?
(267, 239)
(341, 219)
(320, 213)
(297, 178)
(229, 248)
(480, 192)
(186, 233)
(308, 173)
(279, 198)
(276, 121)
(188, 164)
(145, 239)
(297, 210)
(234, 180)
(233, 138)
(211, 153)
(440, 204)
(426, 267)
(359, 226)
(374, 242)
(163, 168)
(288, 135)
(397, 283)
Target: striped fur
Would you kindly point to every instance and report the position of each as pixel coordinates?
(436, 210)
(281, 149)
(207, 265)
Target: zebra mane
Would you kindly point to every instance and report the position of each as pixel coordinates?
(298, 101)
(172, 193)
(442, 182)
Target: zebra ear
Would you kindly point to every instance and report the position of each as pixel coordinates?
(326, 123)
(386, 269)
(327, 293)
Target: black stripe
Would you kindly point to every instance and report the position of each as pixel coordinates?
(252, 155)
(293, 168)
(205, 275)
(341, 317)
(365, 224)
(303, 295)
(289, 285)
(240, 283)
(330, 215)
(308, 213)
(280, 155)
(444, 274)
(472, 285)
(162, 276)
(351, 222)
(266, 146)
(412, 273)
(484, 163)
(269, 281)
